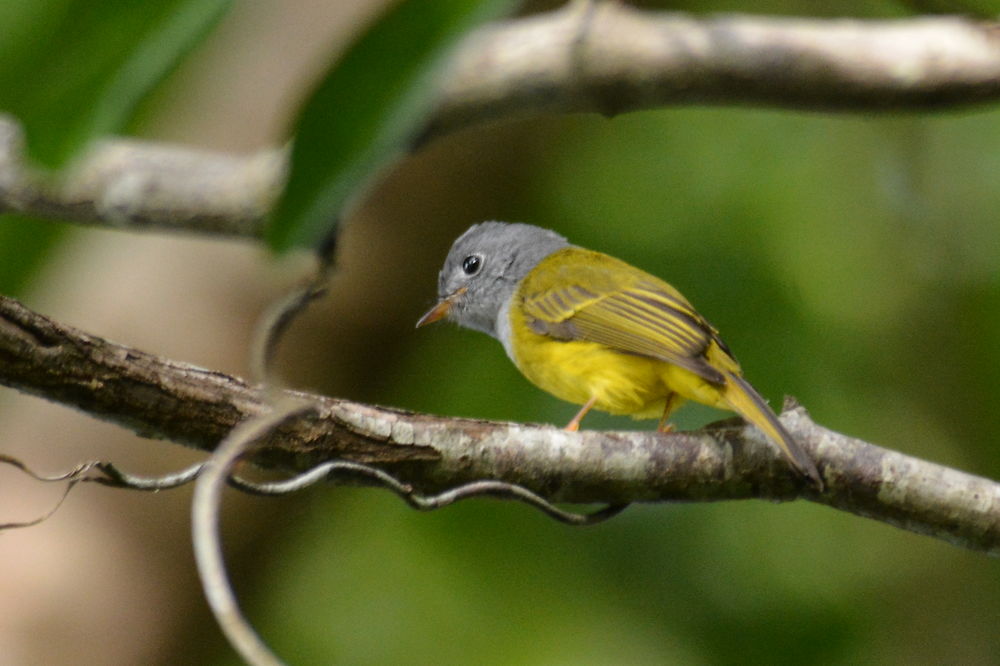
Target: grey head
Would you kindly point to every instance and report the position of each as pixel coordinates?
(482, 271)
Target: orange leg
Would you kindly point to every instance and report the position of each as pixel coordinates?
(672, 403)
(574, 425)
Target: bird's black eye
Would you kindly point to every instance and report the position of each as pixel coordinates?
(471, 264)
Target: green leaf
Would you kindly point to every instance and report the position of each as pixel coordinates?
(366, 108)
(25, 244)
(73, 70)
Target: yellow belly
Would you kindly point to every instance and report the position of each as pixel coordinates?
(579, 371)
(621, 383)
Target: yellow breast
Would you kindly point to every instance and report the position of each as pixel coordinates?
(577, 371)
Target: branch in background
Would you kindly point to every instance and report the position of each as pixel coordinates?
(599, 57)
(132, 184)
(612, 59)
(182, 403)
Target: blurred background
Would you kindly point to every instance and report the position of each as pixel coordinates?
(849, 260)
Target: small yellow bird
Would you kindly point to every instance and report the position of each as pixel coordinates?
(593, 330)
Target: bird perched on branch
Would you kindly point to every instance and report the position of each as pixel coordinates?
(593, 330)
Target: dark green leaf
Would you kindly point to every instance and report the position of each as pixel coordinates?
(366, 108)
(72, 70)
(25, 243)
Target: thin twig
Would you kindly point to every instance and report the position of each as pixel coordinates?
(71, 477)
(275, 321)
(206, 536)
(108, 474)
(500, 489)
(116, 478)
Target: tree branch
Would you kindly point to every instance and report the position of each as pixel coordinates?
(597, 57)
(169, 400)
(612, 59)
(132, 184)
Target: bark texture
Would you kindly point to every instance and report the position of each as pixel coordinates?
(166, 399)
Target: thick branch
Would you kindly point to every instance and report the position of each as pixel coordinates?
(600, 57)
(175, 401)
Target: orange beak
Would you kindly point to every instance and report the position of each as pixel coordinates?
(440, 311)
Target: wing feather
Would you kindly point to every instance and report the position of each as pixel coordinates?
(620, 306)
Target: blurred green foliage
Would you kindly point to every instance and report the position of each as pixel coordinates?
(851, 261)
(25, 244)
(379, 92)
(73, 70)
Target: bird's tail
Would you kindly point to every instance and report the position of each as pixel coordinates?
(745, 401)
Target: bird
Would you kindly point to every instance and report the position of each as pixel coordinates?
(596, 331)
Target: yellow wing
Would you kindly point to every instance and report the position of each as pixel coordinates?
(578, 294)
